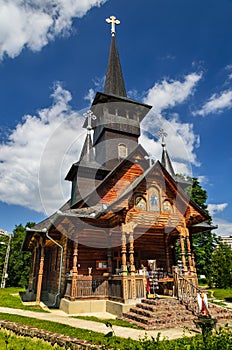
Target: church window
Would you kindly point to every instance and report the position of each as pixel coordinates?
(167, 207)
(154, 202)
(122, 151)
(140, 203)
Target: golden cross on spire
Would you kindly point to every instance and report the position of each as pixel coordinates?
(113, 21)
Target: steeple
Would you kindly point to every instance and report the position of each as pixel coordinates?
(114, 83)
(165, 160)
(87, 150)
(118, 118)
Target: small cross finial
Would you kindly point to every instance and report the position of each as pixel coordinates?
(89, 115)
(113, 21)
(162, 133)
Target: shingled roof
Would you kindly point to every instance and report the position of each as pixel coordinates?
(114, 83)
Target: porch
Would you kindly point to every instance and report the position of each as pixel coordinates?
(118, 288)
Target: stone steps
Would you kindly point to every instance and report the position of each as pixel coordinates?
(219, 312)
(168, 313)
(158, 314)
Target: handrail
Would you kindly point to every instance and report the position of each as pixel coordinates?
(186, 291)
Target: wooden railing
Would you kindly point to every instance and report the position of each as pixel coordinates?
(92, 288)
(115, 288)
(102, 287)
(186, 291)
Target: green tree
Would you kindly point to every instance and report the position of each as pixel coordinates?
(19, 262)
(3, 248)
(222, 266)
(197, 193)
(204, 243)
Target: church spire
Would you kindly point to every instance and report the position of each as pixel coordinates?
(87, 151)
(114, 83)
(165, 160)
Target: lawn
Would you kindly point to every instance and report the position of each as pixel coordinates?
(9, 297)
(223, 294)
(219, 340)
(113, 321)
(10, 341)
(94, 337)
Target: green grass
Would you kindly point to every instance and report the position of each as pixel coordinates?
(9, 297)
(10, 341)
(94, 337)
(219, 340)
(113, 321)
(222, 294)
(219, 303)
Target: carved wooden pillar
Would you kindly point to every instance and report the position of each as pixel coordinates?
(32, 270)
(123, 253)
(40, 275)
(166, 248)
(124, 265)
(182, 248)
(193, 262)
(132, 264)
(189, 253)
(74, 271)
(109, 254)
(131, 254)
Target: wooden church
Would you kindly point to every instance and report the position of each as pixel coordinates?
(114, 242)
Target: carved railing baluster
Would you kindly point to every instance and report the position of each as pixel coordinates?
(186, 291)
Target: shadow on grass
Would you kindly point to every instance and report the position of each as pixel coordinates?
(228, 300)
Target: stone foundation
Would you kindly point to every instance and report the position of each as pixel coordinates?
(93, 306)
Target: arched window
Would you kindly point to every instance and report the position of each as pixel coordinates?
(122, 151)
(140, 203)
(154, 200)
(167, 207)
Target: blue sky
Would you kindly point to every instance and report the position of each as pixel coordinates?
(175, 55)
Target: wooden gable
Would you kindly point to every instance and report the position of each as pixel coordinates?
(119, 179)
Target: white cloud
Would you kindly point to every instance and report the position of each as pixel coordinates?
(224, 227)
(32, 24)
(168, 94)
(181, 140)
(203, 179)
(216, 208)
(90, 96)
(216, 104)
(38, 154)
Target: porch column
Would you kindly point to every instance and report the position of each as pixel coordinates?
(109, 254)
(189, 253)
(131, 254)
(32, 270)
(166, 247)
(74, 271)
(182, 248)
(123, 252)
(40, 275)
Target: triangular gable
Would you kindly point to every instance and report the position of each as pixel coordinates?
(171, 190)
(118, 180)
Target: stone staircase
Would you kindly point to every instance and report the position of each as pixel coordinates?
(168, 313)
(222, 314)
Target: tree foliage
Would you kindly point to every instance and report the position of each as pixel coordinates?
(204, 243)
(222, 266)
(19, 262)
(3, 248)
